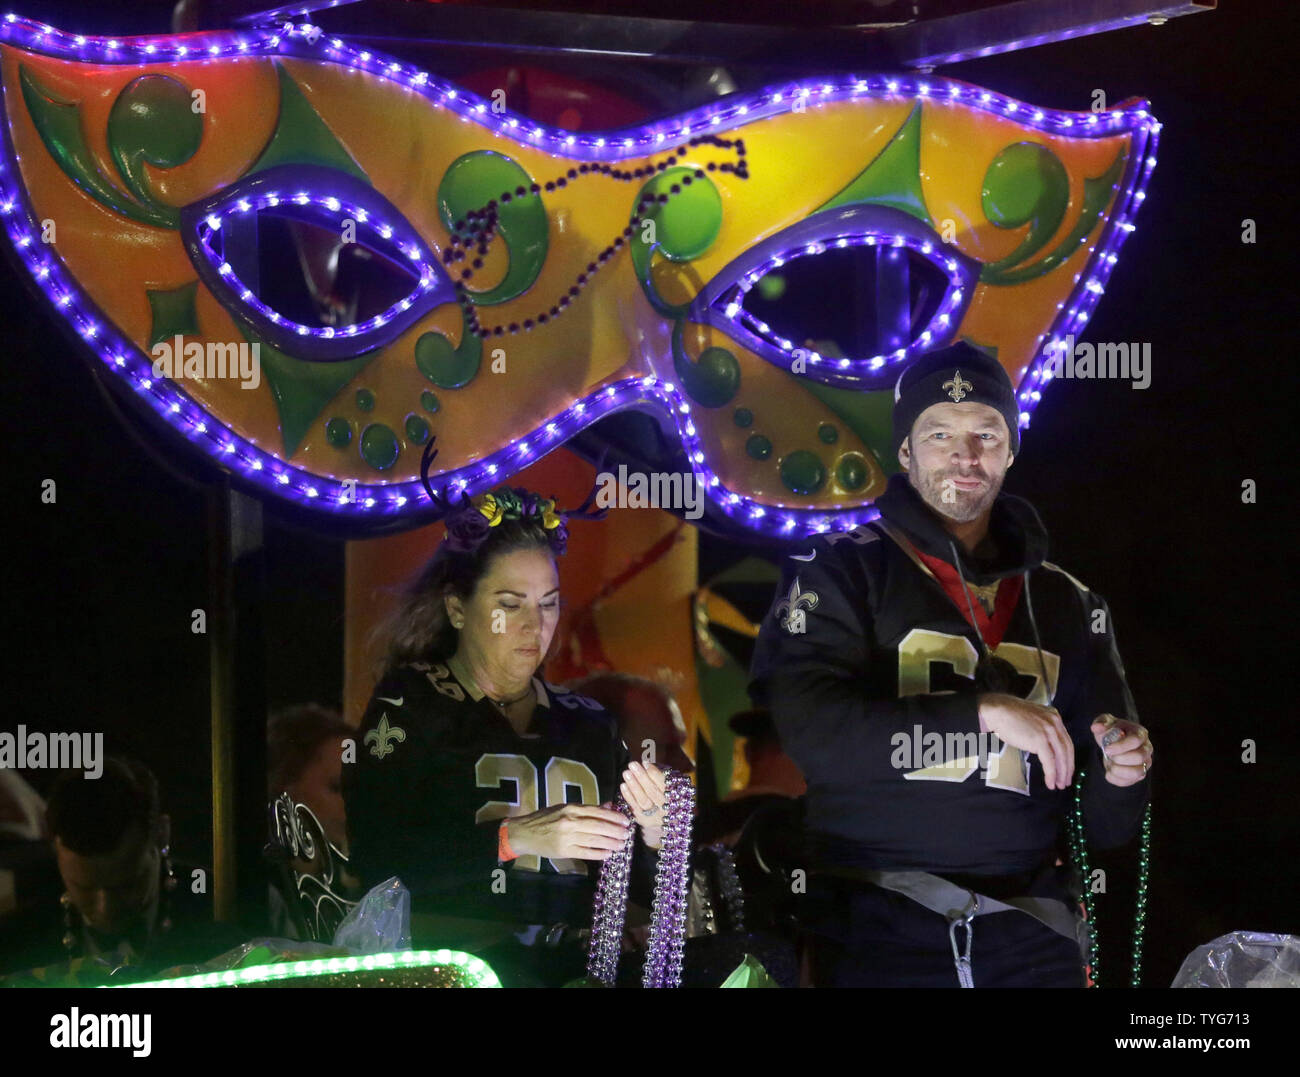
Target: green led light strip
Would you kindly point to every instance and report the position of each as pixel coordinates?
(478, 971)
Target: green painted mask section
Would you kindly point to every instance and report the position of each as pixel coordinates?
(301, 389)
(1097, 194)
(301, 136)
(58, 123)
(710, 381)
(869, 414)
(173, 312)
(803, 472)
(473, 180)
(758, 446)
(828, 434)
(894, 178)
(417, 430)
(684, 228)
(379, 446)
(338, 432)
(851, 471)
(743, 417)
(365, 400)
(430, 402)
(1025, 185)
(445, 366)
(152, 122)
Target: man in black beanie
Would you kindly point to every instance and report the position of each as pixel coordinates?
(938, 681)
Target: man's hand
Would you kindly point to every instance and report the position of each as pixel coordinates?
(569, 831)
(1126, 748)
(1033, 729)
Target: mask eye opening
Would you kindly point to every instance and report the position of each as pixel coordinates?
(850, 300)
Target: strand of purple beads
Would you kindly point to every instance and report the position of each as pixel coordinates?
(610, 908)
(663, 964)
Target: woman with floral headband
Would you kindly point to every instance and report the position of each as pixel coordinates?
(487, 790)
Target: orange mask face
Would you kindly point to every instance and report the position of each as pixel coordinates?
(529, 280)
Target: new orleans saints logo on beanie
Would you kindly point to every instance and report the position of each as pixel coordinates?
(957, 374)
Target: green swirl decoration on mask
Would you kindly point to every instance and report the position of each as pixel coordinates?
(445, 366)
(713, 379)
(1027, 185)
(151, 122)
(1098, 191)
(471, 182)
(681, 229)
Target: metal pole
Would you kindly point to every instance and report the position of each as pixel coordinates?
(221, 690)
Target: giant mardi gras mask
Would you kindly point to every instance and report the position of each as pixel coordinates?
(554, 277)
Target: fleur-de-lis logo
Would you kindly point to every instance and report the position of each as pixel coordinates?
(790, 610)
(381, 735)
(957, 387)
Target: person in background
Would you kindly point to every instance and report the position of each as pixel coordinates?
(304, 758)
(773, 776)
(123, 901)
(771, 771)
(649, 719)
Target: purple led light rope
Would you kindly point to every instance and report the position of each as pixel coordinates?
(663, 961)
(385, 499)
(286, 189)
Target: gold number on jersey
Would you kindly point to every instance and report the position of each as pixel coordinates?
(1008, 769)
(494, 768)
(489, 772)
(561, 774)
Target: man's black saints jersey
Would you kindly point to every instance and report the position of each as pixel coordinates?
(870, 672)
(438, 766)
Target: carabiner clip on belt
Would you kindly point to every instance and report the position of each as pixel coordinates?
(962, 959)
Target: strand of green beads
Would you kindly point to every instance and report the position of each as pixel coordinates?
(1079, 854)
(1140, 914)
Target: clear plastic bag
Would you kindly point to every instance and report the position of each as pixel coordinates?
(1243, 959)
(379, 923)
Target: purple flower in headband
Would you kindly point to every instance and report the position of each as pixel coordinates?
(470, 521)
(467, 527)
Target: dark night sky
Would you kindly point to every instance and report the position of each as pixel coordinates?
(1140, 491)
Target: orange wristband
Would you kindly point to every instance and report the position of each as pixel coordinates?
(504, 852)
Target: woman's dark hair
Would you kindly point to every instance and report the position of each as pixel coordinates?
(420, 629)
(92, 817)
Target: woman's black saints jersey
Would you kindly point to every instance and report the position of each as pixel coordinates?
(438, 766)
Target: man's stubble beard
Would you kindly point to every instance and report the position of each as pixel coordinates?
(965, 505)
